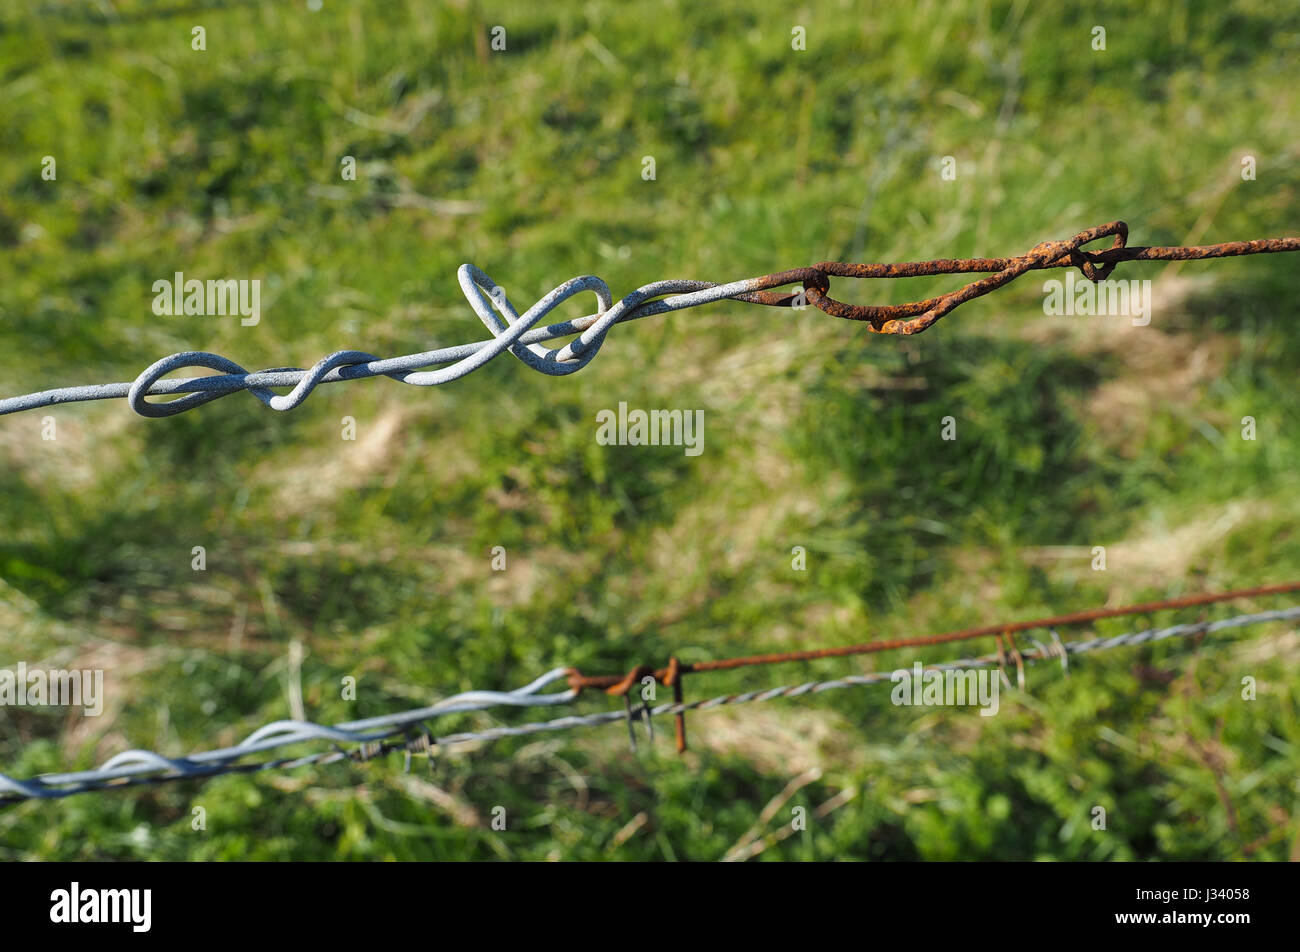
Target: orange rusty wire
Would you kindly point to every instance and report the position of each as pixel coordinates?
(671, 675)
(915, 316)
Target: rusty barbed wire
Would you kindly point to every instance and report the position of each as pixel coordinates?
(521, 335)
(615, 684)
(671, 675)
(374, 736)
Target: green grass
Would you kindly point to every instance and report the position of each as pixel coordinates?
(375, 554)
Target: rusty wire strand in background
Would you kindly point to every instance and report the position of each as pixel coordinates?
(522, 336)
(376, 735)
(619, 684)
(672, 674)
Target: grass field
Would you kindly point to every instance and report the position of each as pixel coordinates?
(371, 558)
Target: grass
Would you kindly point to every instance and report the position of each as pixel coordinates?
(374, 556)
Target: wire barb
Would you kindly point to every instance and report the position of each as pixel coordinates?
(524, 335)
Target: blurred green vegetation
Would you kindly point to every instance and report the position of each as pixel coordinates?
(374, 554)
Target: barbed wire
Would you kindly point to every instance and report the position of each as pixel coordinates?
(1059, 649)
(132, 764)
(373, 735)
(521, 335)
(675, 670)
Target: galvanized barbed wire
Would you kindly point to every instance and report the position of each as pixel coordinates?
(137, 767)
(137, 763)
(521, 336)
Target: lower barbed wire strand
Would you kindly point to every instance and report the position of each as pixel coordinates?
(137, 768)
(136, 763)
(863, 680)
